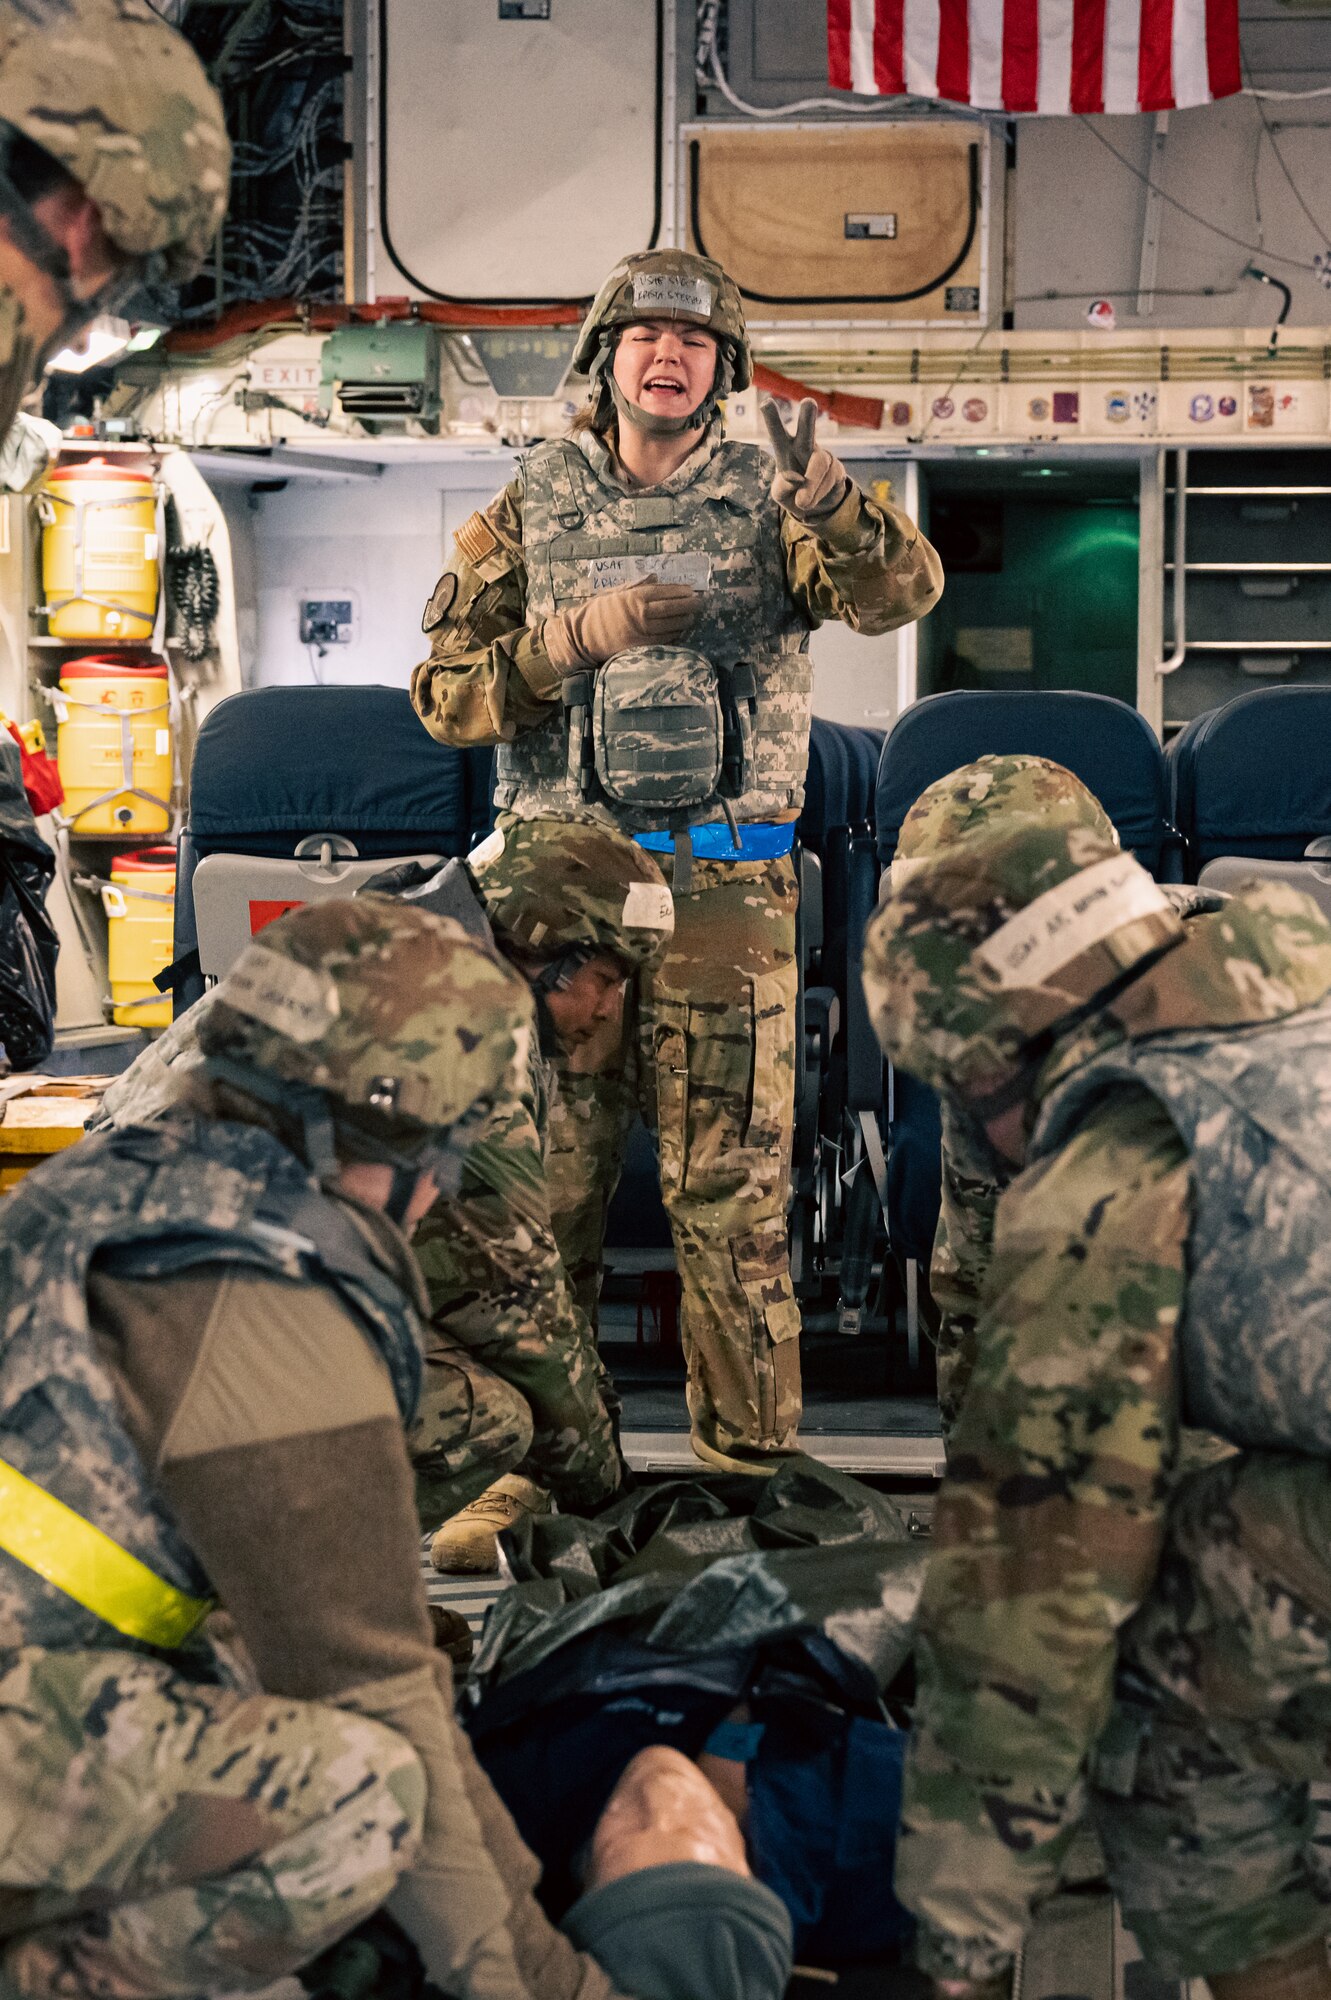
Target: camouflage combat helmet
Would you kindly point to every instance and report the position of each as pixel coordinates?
(977, 958)
(385, 1030)
(122, 102)
(567, 890)
(674, 285)
(1021, 788)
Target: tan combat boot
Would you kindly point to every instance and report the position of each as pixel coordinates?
(1302, 1974)
(469, 1543)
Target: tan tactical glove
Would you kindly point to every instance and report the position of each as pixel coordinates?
(637, 614)
(809, 482)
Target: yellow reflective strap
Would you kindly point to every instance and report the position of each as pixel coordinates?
(49, 1537)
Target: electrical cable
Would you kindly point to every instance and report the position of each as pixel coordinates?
(1287, 96)
(196, 595)
(709, 74)
(1281, 163)
(1253, 249)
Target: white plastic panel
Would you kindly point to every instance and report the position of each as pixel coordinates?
(236, 895)
(519, 155)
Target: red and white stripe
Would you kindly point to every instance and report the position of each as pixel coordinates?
(1047, 56)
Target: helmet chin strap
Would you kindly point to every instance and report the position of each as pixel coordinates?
(649, 421)
(405, 1181)
(656, 423)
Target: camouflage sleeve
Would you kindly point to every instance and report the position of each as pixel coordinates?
(973, 1177)
(1048, 1530)
(498, 1288)
(488, 674)
(868, 565)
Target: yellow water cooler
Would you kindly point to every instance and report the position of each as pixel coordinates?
(114, 745)
(140, 909)
(100, 559)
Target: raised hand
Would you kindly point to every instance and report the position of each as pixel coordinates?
(809, 482)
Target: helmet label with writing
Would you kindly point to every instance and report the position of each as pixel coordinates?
(292, 999)
(648, 906)
(1067, 920)
(664, 292)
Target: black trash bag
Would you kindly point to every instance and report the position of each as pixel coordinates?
(791, 1598)
(28, 941)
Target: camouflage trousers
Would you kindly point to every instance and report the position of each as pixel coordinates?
(471, 1426)
(706, 1052)
(1210, 1791)
(160, 1837)
(495, 1400)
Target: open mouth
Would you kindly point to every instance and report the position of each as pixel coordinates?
(662, 385)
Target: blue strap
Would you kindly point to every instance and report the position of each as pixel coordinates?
(758, 841)
(737, 1741)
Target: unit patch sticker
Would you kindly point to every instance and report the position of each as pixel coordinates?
(441, 603)
(662, 292)
(648, 906)
(292, 999)
(692, 567)
(1066, 921)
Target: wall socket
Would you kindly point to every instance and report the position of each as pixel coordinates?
(327, 621)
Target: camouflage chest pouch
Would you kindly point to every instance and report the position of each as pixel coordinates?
(661, 733)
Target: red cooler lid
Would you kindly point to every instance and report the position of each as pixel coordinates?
(101, 666)
(150, 860)
(97, 468)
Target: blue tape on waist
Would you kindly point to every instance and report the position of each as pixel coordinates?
(761, 841)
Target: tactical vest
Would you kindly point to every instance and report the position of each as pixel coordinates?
(148, 1201)
(583, 531)
(1253, 1108)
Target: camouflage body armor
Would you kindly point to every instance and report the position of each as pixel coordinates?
(712, 524)
(148, 1201)
(1251, 1107)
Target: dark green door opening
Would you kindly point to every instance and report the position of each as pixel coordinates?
(1041, 569)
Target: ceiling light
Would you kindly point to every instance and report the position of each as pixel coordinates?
(101, 340)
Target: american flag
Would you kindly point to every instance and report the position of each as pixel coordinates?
(1047, 56)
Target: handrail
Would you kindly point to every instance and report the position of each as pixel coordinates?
(1176, 658)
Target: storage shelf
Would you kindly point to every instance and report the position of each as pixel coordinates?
(1253, 568)
(1251, 492)
(1259, 645)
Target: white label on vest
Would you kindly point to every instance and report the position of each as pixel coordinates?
(291, 999)
(660, 292)
(613, 572)
(1058, 926)
(487, 850)
(648, 906)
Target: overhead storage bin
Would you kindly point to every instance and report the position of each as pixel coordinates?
(832, 222)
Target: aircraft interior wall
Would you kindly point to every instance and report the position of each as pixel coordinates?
(380, 542)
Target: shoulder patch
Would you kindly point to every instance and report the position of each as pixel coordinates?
(476, 539)
(441, 602)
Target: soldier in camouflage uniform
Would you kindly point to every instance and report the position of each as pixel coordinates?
(205, 1322)
(643, 528)
(114, 165)
(1100, 1626)
(577, 908)
(973, 1174)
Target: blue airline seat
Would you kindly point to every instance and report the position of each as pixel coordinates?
(1252, 780)
(277, 767)
(1113, 750)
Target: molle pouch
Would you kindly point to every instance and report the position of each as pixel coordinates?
(659, 732)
